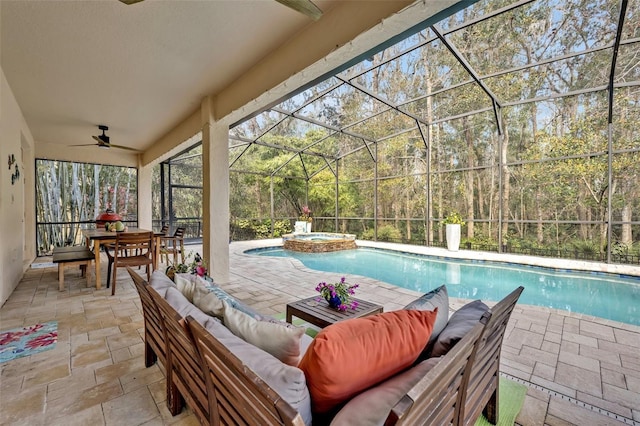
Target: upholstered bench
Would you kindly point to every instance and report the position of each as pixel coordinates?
(72, 256)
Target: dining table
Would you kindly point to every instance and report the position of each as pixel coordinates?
(97, 237)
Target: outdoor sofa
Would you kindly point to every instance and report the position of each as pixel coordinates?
(225, 379)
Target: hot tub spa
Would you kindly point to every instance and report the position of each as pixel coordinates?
(319, 242)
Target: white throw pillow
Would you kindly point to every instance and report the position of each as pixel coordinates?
(280, 339)
(187, 284)
(208, 302)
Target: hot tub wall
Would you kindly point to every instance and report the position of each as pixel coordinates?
(319, 246)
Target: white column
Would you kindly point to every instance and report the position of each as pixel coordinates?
(215, 194)
(145, 212)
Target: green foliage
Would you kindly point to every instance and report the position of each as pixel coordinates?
(453, 218)
(244, 229)
(389, 233)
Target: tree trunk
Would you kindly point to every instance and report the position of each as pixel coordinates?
(469, 175)
(506, 180)
(627, 237)
(96, 190)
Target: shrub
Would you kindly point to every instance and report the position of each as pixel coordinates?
(389, 233)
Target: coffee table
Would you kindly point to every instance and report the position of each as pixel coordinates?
(321, 315)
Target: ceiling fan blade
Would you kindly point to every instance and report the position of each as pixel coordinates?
(305, 7)
(129, 2)
(97, 138)
(123, 147)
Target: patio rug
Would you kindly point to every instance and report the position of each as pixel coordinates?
(511, 399)
(26, 341)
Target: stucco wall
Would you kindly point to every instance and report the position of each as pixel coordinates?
(17, 223)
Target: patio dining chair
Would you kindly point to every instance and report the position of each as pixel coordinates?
(131, 249)
(173, 245)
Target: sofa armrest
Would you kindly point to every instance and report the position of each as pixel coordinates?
(435, 398)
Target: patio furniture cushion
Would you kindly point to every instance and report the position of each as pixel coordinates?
(461, 322)
(352, 355)
(180, 303)
(208, 302)
(280, 339)
(436, 298)
(160, 282)
(287, 381)
(187, 284)
(209, 298)
(372, 407)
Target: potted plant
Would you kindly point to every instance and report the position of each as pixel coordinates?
(197, 267)
(453, 223)
(339, 294)
(303, 224)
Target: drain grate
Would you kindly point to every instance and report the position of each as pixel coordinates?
(579, 403)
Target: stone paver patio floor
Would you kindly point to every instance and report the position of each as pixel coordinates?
(579, 369)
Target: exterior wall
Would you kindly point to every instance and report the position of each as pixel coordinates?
(17, 212)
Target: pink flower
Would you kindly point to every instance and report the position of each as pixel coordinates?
(201, 270)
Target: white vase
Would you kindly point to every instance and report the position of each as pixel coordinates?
(453, 236)
(300, 227)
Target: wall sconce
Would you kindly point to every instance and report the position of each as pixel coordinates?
(15, 176)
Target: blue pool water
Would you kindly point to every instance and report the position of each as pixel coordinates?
(603, 295)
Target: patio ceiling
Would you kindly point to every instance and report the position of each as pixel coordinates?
(144, 69)
(448, 71)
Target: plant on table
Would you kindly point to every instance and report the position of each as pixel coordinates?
(197, 266)
(338, 294)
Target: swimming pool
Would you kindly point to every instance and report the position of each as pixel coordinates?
(603, 295)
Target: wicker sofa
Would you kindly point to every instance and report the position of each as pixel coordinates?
(226, 380)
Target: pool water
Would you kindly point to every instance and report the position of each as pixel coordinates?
(603, 295)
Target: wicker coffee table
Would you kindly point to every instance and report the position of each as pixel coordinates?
(321, 315)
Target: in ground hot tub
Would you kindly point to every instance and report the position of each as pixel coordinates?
(319, 242)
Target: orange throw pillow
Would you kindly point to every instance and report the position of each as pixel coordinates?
(350, 356)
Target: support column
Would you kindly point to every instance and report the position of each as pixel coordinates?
(145, 211)
(215, 194)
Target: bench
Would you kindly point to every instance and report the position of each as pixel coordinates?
(72, 256)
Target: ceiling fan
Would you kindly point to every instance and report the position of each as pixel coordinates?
(306, 7)
(103, 141)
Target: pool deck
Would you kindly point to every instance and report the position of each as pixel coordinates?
(579, 369)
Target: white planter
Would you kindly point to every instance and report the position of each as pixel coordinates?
(308, 227)
(300, 227)
(453, 236)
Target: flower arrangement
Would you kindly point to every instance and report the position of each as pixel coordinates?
(453, 218)
(197, 267)
(338, 294)
(306, 214)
